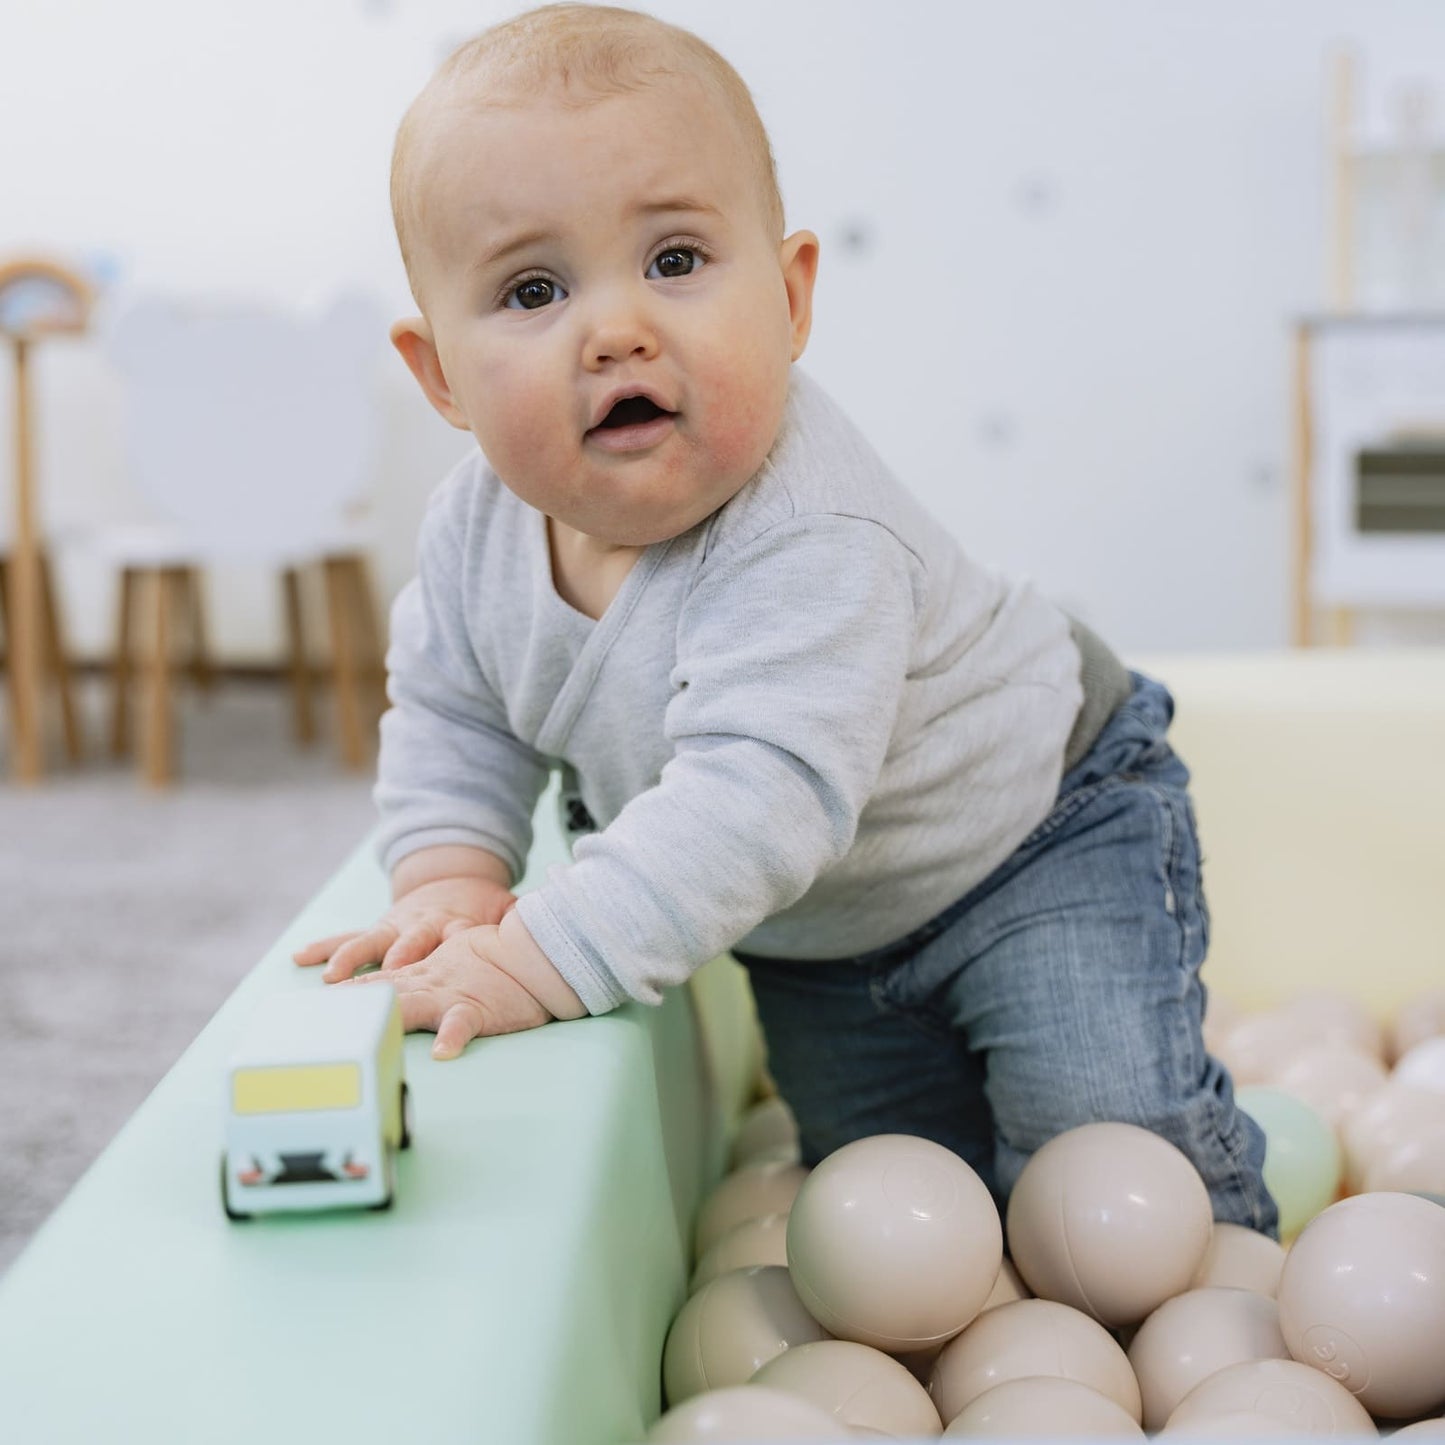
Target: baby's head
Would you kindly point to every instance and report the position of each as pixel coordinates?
(586, 203)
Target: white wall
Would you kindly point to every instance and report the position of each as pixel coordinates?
(1063, 240)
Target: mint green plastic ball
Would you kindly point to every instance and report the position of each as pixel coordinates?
(1302, 1161)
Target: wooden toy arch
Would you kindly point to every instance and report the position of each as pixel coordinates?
(78, 294)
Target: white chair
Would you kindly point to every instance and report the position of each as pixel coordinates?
(251, 434)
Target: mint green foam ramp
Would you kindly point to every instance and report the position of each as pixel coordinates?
(519, 1291)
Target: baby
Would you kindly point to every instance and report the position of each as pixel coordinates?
(935, 819)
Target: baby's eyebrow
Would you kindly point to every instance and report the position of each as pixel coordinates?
(677, 204)
(523, 242)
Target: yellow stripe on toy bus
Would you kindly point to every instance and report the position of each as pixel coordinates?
(286, 1090)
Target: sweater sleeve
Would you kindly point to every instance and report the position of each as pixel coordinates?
(450, 769)
(791, 657)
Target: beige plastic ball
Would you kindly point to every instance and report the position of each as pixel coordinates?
(1413, 1165)
(1028, 1338)
(894, 1242)
(763, 1240)
(1423, 1067)
(1334, 1080)
(1191, 1336)
(1260, 1044)
(860, 1386)
(1234, 1425)
(747, 1193)
(743, 1412)
(1110, 1219)
(1045, 1407)
(1220, 1015)
(1240, 1258)
(766, 1127)
(1362, 1298)
(730, 1328)
(1419, 1018)
(1305, 1401)
(1434, 1429)
(1393, 1115)
(1008, 1287)
(1338, 1019)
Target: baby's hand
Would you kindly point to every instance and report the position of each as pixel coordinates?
(460, 993)
(413, 927)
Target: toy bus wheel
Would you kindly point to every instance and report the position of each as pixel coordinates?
(405, 1140)
(225, 1199)
(389, 1172)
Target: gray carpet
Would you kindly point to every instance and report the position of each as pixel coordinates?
(127, 916)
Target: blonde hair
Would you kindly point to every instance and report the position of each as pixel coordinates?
(590, 52)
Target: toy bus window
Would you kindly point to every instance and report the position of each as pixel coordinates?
(290, 1090)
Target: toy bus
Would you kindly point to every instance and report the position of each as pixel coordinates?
(316, 1106)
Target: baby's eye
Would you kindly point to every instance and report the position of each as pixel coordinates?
(534, 293)
(675, 261)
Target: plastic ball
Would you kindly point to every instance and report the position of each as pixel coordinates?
(1220, 1015)
(1413, 1165)
(1234, 1425)
(1362, 1299)
(766, 1127)
(1027, 1338)
(732, 1327)
(1008, 1287)
(1110, 1219)
(743, 1412)
(1423, 1067)
(1417, 1019)
(1434, 1429)
(1192, 1335)
(1259, 1045)
(1338, 1019)
(861, 1387)
(1044, 1406)
(754, 1190)
(1334, 1081)
(1302, 1161)
(763, 1240)
(894, 1242)
(1392, 1116)
(1303, 1400)
(1240, 1258)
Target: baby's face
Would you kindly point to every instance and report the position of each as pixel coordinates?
(613, 321)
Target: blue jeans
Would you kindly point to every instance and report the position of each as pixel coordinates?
(1063, 989)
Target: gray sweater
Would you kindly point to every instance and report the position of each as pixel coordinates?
(803, 727)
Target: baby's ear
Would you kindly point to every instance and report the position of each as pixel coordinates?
(412, 336)
(799, 260)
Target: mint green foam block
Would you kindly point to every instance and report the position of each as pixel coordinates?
(519, 1291)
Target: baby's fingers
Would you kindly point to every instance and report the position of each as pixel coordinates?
(320, 949)
(361, 949)
(413, 946)
(461, 1023)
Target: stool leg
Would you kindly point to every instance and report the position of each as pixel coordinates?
(303, 720)
(159, 741)
(56, 661)
(121, 667)
(343, 664)
(373, 651)
(203, 673)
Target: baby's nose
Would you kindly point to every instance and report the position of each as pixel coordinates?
(619, 332)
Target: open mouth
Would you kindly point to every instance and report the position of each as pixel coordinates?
(631, 411)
